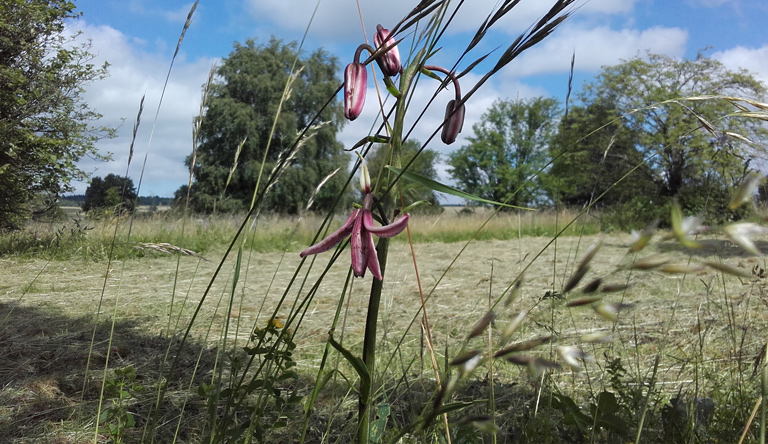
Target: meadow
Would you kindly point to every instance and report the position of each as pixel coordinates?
(484, 327)
(679, 360)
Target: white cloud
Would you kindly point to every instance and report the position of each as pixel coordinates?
(133, 73)
(754, 60)
(597, 47)
(340, 19)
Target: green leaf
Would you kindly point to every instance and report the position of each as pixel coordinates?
(437, 186)
(379, 425)
(572, 414)
(391, 87)
(452, 407)
(431, 74)
(356, 362)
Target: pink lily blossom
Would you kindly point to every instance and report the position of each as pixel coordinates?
(360, 228)
(454, 111)
(355, 88)
(389, 62)
(454, 121)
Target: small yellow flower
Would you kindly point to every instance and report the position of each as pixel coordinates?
(275, 322)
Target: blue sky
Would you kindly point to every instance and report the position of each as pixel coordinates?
(138, 37)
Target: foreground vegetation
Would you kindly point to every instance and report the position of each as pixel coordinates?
(682, 365)
(512, 327)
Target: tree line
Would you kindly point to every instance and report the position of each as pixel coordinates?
(646, 132)
(642, 134)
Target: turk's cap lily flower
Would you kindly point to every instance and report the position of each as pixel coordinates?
(454, 111)
(360, 227)
(355, 89)
(389, 61)
(454, 121)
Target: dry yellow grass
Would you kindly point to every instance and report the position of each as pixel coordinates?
(707, 328)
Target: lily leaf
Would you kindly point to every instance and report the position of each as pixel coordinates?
(437, 186)
(356, 362)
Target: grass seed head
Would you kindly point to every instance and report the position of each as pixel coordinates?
(741, 233)
(727, 269)
(746, 190)
(482, 324)
(513, 326)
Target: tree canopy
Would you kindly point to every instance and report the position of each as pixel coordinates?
(237, 130)
(45, 127)
(114, 193)
(593, 152)
(689, 145)
(509, 146)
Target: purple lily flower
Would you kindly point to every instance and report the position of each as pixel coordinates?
(355, 88)
(454, 113)
(454, 121)
(389, 61)
(360, 227)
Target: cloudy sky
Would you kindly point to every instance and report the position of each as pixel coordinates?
(138, 38)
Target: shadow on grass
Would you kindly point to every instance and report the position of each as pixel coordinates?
(721, 248)
(46, 397)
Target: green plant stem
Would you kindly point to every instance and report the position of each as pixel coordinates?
(764, 390)
(369, 347)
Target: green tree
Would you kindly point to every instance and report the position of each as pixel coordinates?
(690, 162)
(45, 127)
(108, 194)
(240, 110)
(423, 165)
(509, 146)
(588, 163)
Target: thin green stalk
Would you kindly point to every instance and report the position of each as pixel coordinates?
(763, 415)
(369, 347)
(646, 402)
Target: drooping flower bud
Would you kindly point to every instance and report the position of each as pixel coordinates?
(389, 61)
(355, 88)
(454, 121)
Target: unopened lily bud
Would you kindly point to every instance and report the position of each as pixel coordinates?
(365, 175)
(389, 61)
(355, 88)
(454, 121)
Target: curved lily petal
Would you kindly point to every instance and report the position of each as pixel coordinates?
(334, 238)
(385, 231)
(359, 248)
(373, 257)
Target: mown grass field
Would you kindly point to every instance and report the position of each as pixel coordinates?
(696, 335)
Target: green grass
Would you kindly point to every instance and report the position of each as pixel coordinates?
(91, 239)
